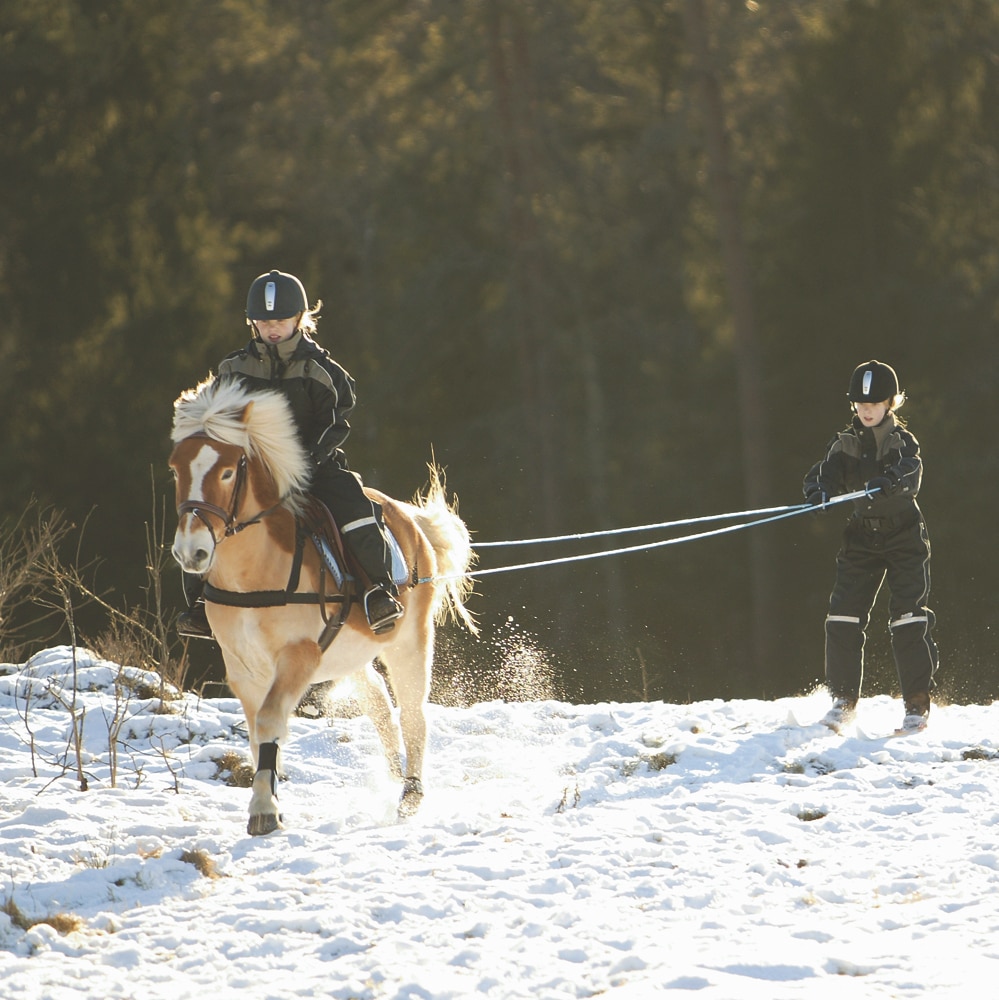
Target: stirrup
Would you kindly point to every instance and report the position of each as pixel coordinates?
(381, 609)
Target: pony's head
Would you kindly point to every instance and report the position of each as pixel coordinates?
(258, 421)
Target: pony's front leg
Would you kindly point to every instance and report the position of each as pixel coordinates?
(295, 667)
(264, 814)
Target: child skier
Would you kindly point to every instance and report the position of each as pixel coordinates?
(282, 355)
(885, 537)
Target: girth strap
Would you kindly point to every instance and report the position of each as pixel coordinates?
(268, 598)
(276, 598)
(282, 598)
(265, 598)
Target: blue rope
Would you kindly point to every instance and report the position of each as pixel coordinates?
(781, 514)
(641, 527)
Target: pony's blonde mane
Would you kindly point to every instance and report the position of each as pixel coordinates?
(218, 408)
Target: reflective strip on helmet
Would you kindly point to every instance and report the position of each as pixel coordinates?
(270, 295)
(868, 379)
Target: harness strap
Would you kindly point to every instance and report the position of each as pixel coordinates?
(333, 625)
(275, 598)
(265, 598)
(901, 520)
(282, 598)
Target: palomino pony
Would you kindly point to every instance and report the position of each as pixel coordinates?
(241, 477)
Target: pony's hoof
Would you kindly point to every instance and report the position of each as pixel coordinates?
(412, 796)
(262, 824)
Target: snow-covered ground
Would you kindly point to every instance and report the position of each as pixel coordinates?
(713, 850)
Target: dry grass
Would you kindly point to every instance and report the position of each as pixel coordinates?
(660, 761)
(234, 770)
(202, 861)
(63, 923)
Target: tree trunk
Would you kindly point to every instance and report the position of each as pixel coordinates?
(755, 448)
(510, 66)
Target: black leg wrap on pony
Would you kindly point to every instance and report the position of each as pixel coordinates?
(267, 761)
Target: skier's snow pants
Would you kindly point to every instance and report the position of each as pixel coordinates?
(874, 550)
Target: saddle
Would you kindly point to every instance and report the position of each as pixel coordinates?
(316, 526)
(322, 530)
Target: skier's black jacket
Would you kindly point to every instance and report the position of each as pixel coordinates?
(858, 454)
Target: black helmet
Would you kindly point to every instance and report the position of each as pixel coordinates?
(275, 295)
(873, 382)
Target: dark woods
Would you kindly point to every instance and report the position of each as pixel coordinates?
(610, 263)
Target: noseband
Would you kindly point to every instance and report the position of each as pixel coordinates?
(202, 509)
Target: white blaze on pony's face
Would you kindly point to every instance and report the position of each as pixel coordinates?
(205, 471)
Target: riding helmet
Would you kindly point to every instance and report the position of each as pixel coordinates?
(275, 295)
(873, 382)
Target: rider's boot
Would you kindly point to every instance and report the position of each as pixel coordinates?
(381, 604)
(382, 608)
(193, 623)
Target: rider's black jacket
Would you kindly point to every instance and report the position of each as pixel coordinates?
(319, 390)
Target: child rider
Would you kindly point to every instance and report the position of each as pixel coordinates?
(283, 355)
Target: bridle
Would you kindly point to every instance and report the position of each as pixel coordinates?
(203, 509)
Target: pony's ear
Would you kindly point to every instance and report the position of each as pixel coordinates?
(245, 418)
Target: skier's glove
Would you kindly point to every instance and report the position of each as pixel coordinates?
(880, 484)
(818, 499)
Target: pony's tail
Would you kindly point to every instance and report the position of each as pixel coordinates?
(452, 546)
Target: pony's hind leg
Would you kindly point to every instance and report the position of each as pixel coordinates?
(409, 675)
(376, 705)
(294, 669)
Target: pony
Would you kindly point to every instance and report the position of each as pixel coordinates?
(242, 478)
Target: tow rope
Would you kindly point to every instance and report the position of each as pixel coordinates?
(773, 514)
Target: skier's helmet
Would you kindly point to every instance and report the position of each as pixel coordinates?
(873, 382)
(275, 295)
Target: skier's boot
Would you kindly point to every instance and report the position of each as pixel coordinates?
(917, 712)
(842, 713)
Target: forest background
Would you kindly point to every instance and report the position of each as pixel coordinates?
(610, 262)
